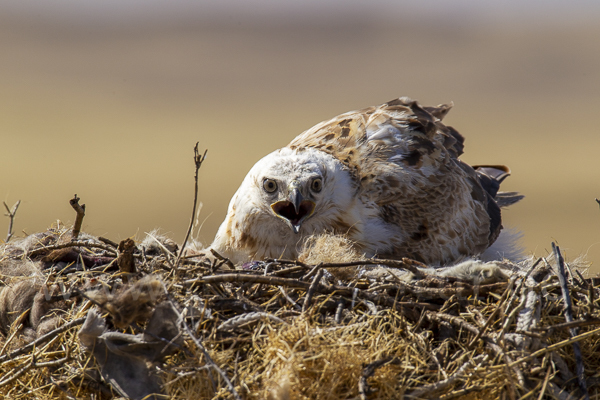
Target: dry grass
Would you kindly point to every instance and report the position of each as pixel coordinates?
(435, 337)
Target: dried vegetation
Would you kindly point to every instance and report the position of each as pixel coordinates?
(283, 329)
(84, 317)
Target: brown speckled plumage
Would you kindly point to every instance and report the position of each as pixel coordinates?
(392, 182)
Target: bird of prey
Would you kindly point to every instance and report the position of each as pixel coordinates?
(388, 178)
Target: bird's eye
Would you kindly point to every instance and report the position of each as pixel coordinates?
(269, 185)
(316, 185)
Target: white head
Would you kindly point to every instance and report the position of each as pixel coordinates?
(286, 196)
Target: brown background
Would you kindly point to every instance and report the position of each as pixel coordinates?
(108, 101)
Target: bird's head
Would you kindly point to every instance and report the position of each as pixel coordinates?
(293, 200)
(291, 185)
(286, 196)
(290, 192)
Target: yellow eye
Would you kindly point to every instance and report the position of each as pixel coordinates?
(316, 185)
(269, 185)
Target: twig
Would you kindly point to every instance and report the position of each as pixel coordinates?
(338, 313)
(508, 320)
(379, 298)
(438, 316)
(311, 290)
(269, 280)
(80, 210)
(569, 325)
(18, 373)
(463, 392)
(200, 346)
(221, 258)
(289, 299)
(463, 291)
(246, 319)
(461, 323)
(491, 318)
(34, 364)
(81, 243)
(198, 161)
(108, 241)
(406, 264)
(545, 383)
(313, 271)
(11, 215)
(368, 371)
(551, 348)
(42, 339)
(569, 317)
(432, 387)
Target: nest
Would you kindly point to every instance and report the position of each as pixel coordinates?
(90, 318)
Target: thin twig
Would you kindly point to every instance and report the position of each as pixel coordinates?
(311, 290)
(108, 241)
(427, 390)
(18, 373)
(406, 264)
(247, 319)
(80, 210)
(545, 383)
(569, 325)
(207, 356)
(239, 277)
(369, 370)
(81, 243)
(380, 298)
(34, 364)
(198, 162)
(551, 348)
(11, 215)
(461, 323)
(491, 318)
(50, 335)
(569, 317)
(221, 258)
(288, 298)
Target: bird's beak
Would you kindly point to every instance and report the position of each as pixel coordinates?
(295, 195)
(295, 210)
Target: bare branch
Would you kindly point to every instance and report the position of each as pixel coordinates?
(47, 249)
(42, 339)
(80, 210)
(569, 317)
(11, 214)
(198, 160)
(363, 386)
(311, 290)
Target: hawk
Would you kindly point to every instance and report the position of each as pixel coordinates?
(388, 177)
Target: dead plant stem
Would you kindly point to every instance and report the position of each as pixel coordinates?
(198, 162)
(11, 215)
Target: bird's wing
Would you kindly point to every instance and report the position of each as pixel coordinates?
(390, 148)
(405, 161)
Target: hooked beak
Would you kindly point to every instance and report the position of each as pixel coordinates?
(295, 210)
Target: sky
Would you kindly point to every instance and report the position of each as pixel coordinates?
(122, 11)
(106, 99)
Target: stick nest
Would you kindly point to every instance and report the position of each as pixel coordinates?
(280, 329)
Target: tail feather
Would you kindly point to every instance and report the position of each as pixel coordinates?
(497, 172)
(505, 199)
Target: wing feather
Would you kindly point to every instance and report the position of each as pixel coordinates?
(386, 147)
(405, 161)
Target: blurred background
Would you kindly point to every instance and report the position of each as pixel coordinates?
(106, 99)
